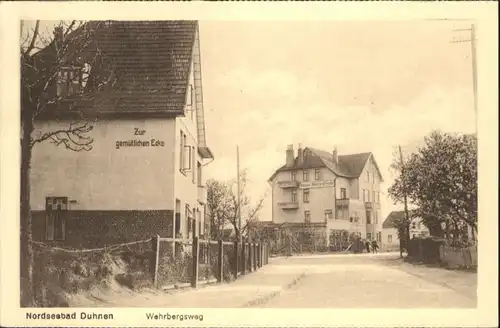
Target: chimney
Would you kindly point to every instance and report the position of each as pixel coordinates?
(58, 36)
(290, 156)
(335, 156)
(300, 155)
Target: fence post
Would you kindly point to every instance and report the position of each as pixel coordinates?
(267, 254)
(261, 248)
(220, 276)
(255, 257)
(243, 256)
(259, 255)
(196, 247)
(236, 260)
(156, 249)
(252, 261)
(250, 255)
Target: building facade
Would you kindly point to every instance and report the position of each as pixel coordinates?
(143, 175)
(390, 237)
(334, 195)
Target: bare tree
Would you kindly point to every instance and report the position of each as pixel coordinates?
(44, 57)
(223, 207)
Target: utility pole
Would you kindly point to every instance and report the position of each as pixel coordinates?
(405, 199)
(238, 194)
(472, 41)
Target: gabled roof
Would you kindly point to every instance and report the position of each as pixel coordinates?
(348, 166)
(150, 61)
(394, 217)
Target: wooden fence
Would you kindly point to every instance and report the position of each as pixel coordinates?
(222, 260)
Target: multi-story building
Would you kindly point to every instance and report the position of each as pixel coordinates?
(144, 173)
(335, 195)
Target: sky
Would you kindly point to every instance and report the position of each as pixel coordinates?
(357, 86)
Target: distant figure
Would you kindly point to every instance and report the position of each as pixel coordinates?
(374, 246)
(367, 245)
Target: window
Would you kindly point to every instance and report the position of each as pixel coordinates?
(189, 221)
(306, 175)
(189, 98)
(413, 225)
(389, 239)
(198, 218)
(368, 218)
(373, 199)
(379, 237)
(186, 155)
(181, 150)
(200, 183)
(368, 195)
(343, 193)
(306, 195)
(364, 195)
(378, 197)
(351, 219)
(71, 80)
(328, 214)
(307, 216)
(317, 174)
(342, 212)
(294, 176)
(56, 211)
(294, 195)
(177, 217)
(193, 159)
(368, 236)
(375, 217)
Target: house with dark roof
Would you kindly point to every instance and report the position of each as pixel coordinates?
(144, 173)
(390, 232)
(330, 194)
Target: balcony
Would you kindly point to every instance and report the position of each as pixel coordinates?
(342, 202)
(202, 195)
(288, 184)
(288, 205)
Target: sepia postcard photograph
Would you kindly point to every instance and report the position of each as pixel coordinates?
(173, 165)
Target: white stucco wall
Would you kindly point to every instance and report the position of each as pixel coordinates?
(371, 186)
(187, 182)
(107, 178)
(393, 232)
(321, 198)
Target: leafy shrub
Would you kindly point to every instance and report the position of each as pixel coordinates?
(173, 270)
(57, 274)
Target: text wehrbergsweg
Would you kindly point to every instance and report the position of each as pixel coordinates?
(168, 316)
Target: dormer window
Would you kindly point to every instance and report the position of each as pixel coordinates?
(72, 79)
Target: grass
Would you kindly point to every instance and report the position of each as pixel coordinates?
(58, 275)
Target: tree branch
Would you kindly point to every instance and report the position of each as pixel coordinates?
(33, 39)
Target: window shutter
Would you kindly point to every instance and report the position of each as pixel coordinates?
(187, 158)
(193, 165)
(181, 150)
